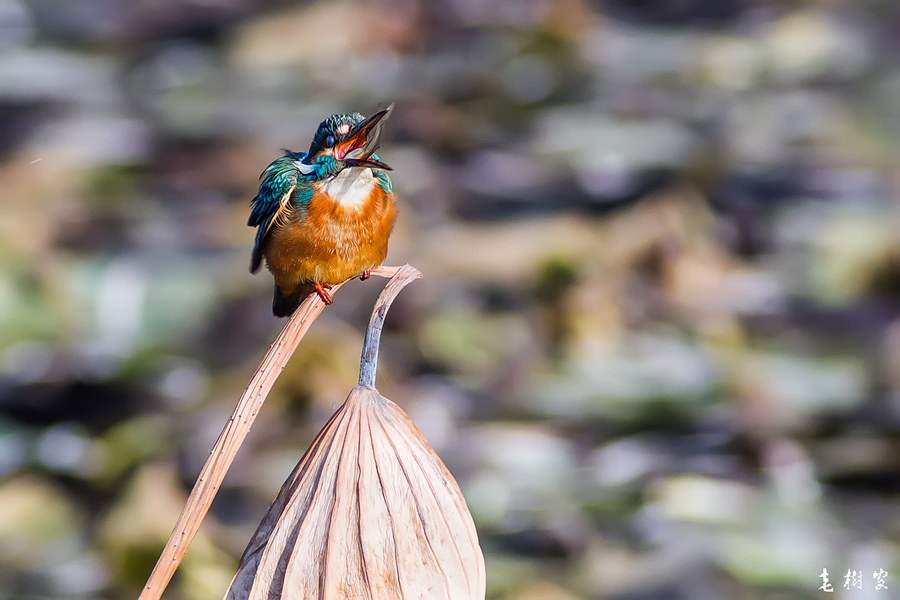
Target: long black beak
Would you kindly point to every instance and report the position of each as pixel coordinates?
(363, 140)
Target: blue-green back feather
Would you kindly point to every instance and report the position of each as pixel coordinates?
(276, 191)
(383, 180)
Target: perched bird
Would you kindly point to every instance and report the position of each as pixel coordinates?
(324, 216)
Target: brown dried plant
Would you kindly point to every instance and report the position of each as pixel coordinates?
(370, 512)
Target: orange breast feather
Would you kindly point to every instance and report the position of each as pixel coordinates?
(331, 243)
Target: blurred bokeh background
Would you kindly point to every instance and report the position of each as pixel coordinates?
(658, 338)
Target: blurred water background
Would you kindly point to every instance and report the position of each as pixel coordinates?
(658, 338)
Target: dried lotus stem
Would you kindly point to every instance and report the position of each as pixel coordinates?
(369, 361)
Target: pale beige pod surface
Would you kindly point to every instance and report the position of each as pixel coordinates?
(370, 512)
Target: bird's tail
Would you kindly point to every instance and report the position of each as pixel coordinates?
(285, 305)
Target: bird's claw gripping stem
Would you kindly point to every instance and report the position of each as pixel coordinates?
(324, 293)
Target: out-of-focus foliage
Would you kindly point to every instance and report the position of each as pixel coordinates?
(658, 338)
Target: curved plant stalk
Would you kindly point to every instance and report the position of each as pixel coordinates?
(231, 438)
(370, 512)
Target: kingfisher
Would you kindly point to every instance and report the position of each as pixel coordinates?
(324, 216)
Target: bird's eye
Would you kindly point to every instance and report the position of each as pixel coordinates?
(329, 141)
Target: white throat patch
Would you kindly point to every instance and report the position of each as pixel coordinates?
(303, 167)
(351, 187)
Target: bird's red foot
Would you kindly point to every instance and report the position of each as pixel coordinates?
(324, 293)
(365, 274)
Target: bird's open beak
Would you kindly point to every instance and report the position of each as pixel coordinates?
(357, 149)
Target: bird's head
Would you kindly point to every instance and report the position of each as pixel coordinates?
(343, 141)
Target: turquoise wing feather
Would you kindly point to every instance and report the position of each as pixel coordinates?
(274, 201)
